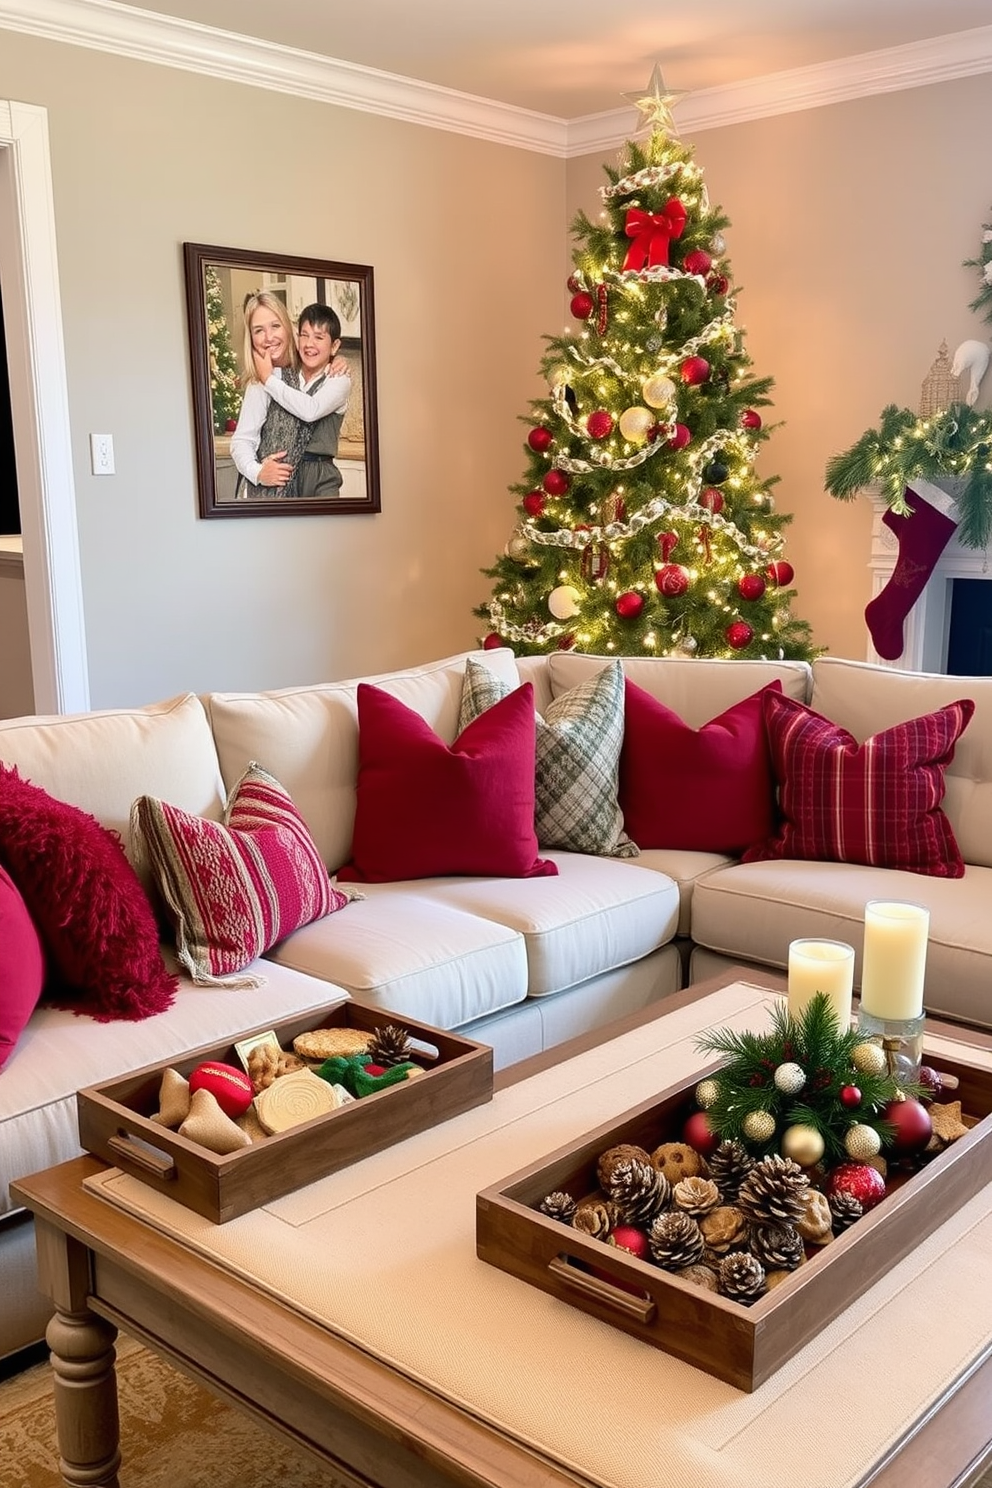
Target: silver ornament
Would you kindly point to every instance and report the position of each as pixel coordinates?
(789, 1078)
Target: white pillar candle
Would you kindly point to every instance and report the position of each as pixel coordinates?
(895, 960)
(821, 966)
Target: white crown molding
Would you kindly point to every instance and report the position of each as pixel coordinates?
(106, 25)
(937, 60)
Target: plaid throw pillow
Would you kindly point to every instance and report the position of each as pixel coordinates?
(578, 758)
(876, 803)
(234, 888)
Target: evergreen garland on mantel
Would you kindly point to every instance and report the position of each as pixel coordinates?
(952, 449)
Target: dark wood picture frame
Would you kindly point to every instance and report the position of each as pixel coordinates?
(218, 280)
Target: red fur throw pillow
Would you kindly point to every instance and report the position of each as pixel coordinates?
(98, 928)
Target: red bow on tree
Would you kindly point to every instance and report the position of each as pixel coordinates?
(652, 232)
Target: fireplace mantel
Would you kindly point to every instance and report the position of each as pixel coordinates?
(926, 630)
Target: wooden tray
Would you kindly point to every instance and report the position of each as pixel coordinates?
(115, 1125)
(742, 1345)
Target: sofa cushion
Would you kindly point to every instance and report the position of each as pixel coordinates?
(578, 757)
(308, 736)
(22, 965)
(402, 949)
(866, 698)
(100, 761)
(696, 689)
(58, 1054)
(234, 888)
(599, 913)
(684, 868)
(426, 807)
(709, 789)
(876, 803)
(96, 923)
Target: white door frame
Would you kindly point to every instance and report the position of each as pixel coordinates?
(40, 409)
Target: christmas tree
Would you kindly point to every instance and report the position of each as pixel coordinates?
(643, 526)
(225, 383)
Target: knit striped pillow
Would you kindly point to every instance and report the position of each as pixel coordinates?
(234, 888)
(876, 803)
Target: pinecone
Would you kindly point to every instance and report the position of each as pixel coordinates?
(637, 1189)
(389, 1045)
(625, 1152)
(777, 1247)
(724, 1229)
(729, 1166)
(844, 1210)
(595, 1216)
(774, 1191)
(742, 1277)
(560, 1206)
(696, 1196)
(675, 1240)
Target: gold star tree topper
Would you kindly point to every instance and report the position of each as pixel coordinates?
(656, 103)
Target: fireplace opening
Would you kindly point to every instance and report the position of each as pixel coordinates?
(969, 640)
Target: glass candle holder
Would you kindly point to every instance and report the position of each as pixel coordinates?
(825, 966)
(901, 1040)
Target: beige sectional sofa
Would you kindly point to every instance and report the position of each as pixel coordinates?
(520, 964)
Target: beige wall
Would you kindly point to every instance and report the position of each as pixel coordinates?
(849, 225)
(464, 238)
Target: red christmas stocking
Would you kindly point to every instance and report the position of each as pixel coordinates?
(922, 538)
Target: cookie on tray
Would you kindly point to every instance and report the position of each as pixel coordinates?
(327, 1043)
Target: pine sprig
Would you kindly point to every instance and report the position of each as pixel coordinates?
(824, 1052)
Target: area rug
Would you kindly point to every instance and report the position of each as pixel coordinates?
(173, 1432)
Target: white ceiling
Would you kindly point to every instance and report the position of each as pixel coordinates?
(574, 58)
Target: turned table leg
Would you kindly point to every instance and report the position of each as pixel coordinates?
(83, 1355)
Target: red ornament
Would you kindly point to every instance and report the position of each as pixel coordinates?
(540, 439)
(672, 580)
(781, 573)
(599, 424)
(230, 426)
(679, 437)
(667, 542)
(739, 634)
(751, 586)
(595, 562)
(582, 305)
(750, 419)
(566, 642)
(602, 318)
(698, 1133)
(533, 503)
(630, 1238)
(913, 1127)
(694, 370)
(860, 1180)
(229, 1086)
(697, 261)
(556, 482)
(850, 1097)
(931, 1081)
(629, 605)
(493, 641)
(711, 499)
(718, 284)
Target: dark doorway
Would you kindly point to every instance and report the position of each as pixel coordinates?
(10, 510)
(969, 645)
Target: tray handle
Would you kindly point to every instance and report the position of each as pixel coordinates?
(142, 1155)
(598, 1289)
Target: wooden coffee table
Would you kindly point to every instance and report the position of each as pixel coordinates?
(105, 1269)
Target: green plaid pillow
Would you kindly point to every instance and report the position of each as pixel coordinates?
(578, 755)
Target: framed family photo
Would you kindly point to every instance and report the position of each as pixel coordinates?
(284, 394)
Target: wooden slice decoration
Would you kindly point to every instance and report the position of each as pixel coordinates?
(293, 1099)
(325, 1043)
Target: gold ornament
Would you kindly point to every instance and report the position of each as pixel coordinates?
(862, 1142)
(658, 390)
(869, 1059)
(564, 602)
(706, 1093)
(635, 423)
(518, 547)
(759, 1126)
(803, 1144)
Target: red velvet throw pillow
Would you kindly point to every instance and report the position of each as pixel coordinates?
(97, 926)
(22, 966)
(876, 803)
(427, 810)
(708, 789)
